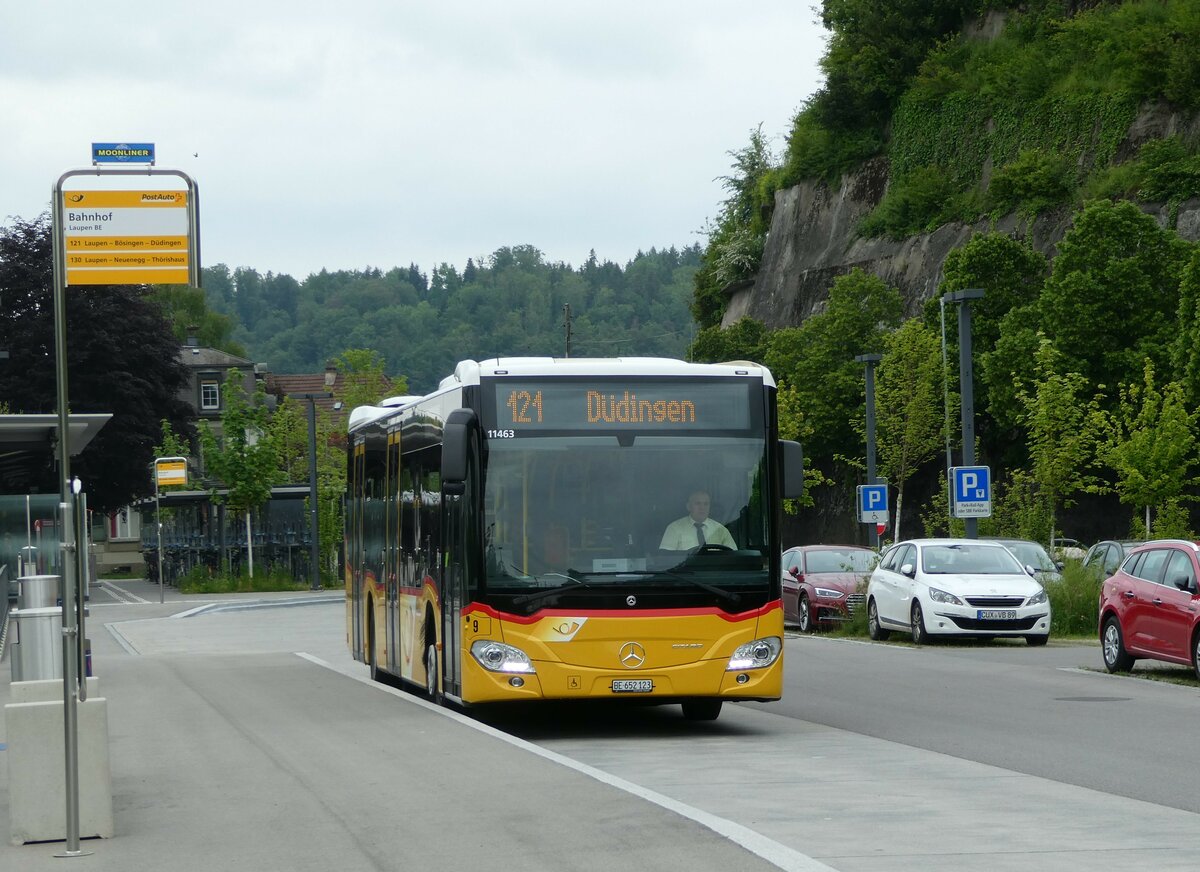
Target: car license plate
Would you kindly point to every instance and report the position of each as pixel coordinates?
(632, 685)
(997, 615)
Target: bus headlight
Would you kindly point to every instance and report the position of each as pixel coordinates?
(758, 654)
(498, 657)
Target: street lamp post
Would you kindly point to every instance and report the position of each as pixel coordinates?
(966, 379)
(314, 522)
(870, 360)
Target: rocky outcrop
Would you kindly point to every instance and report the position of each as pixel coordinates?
(814, 237)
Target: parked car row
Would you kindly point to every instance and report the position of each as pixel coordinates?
(996, 588)
(926, 587)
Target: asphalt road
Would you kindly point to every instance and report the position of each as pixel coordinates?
(1051, 712)
(245, 738)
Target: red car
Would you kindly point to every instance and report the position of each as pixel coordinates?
(1151, 606)
(824, 583)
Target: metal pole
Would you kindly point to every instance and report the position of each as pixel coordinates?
(315, 528)
(946, 414)
(82, 577)
(966, 379)
(67, 535)
(870, 360)
(158, 524)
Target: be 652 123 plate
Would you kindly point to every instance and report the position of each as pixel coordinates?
(632, 685)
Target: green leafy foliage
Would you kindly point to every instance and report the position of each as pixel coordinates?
(1115, 267)
(1150, 442)
(245, 458)
(817, 358)
(1035, 181)
(908, 406)
(917, 203)
(508, 304)
(1059, 418)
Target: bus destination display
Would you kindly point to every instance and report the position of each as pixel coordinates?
(617, 406)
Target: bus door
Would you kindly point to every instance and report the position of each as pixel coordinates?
(354, 548)
(391, 545)
(460, 543)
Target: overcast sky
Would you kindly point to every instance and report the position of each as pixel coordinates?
(355, 134)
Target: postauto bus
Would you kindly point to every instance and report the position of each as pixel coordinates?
(505, 534)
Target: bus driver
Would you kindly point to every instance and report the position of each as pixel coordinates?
(696, 528)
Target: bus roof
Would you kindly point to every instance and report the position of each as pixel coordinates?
(470, 371)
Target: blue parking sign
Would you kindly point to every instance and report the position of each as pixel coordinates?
(873, 503)
(971, 487)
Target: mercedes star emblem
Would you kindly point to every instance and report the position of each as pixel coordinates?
(633, 655)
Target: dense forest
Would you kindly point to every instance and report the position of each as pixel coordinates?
(423, 323)
(1087, 363)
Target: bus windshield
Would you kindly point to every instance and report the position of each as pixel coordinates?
(583, 518)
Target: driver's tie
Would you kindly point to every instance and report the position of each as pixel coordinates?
(700, 533)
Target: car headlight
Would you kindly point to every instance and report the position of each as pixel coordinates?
(940, 596)
(498, 657)
(1037, 599)
(758, 654)
(826, 593)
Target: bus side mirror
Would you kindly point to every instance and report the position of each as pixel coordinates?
(457, 437)
(792, 456)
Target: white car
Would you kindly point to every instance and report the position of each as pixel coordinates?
(955, 587)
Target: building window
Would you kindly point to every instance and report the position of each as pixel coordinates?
(210, 395)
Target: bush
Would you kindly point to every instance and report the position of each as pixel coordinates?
(920, 201)
(1075, 602)
(199, 581)
(1035, 181)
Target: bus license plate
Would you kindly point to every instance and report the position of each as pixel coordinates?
(632, 685)
(997, 615)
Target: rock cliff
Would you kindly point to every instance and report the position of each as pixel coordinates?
(814, 236)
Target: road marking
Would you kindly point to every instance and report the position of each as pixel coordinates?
(121, 594)
(775, 853)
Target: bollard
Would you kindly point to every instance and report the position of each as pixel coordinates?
(39, 592)
(37, 644)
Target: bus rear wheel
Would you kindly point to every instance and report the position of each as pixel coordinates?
(702, 709)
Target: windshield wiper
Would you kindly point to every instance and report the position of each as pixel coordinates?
(721, 592)
(573, 580)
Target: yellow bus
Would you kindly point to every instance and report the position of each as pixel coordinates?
(572, 529)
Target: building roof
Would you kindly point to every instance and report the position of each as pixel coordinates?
(328, 382)
(200, 357)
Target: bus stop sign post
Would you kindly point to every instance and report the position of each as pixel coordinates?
(95, 223)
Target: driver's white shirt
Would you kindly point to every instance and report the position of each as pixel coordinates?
(680, 535)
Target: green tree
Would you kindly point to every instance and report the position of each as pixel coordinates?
(1060, 420)
(1113, 293)
(817, 358)
(1185, 353)
(363, 379)
(1150, 444)
(735, 242)
(244, 459)
(908, 405)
